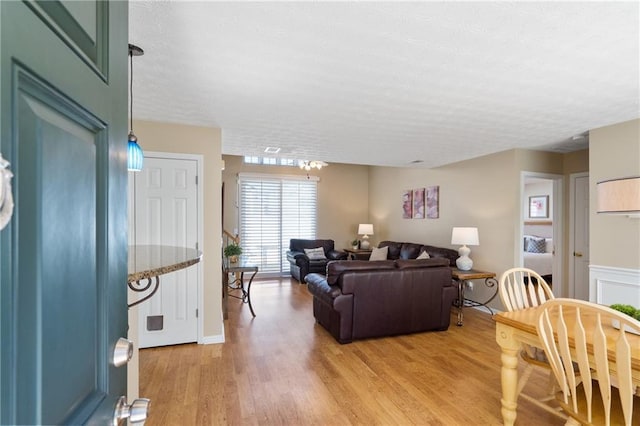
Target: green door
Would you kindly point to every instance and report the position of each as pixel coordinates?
(63, 256)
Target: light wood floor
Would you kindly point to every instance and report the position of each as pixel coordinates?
(281, 368)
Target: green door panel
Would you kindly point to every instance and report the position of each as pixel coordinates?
(63, 257)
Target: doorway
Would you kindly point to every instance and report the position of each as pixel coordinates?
(540, 240)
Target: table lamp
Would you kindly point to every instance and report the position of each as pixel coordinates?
(465, 236)
(365, 229)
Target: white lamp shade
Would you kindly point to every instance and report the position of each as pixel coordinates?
(620, 196)
(465, 235)
(365, 229)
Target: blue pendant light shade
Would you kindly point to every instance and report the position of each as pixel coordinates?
(135, 157)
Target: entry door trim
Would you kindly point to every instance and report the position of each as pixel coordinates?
(199, 159)
(572, 231)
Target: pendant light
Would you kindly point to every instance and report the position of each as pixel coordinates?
(135, 155)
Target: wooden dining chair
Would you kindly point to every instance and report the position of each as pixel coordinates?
(522, 288)
(575, 331)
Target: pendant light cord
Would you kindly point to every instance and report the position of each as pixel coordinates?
(131, 89)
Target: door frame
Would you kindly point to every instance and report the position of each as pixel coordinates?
(572, 232)
(558, 225)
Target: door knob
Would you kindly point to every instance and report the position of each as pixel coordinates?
(137, 412)
(577, 254)
(123, 352)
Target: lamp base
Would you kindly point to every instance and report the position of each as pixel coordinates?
(364, 244)
(464, 262)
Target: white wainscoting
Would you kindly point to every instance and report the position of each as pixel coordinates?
(609, 285)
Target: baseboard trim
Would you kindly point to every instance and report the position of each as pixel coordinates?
(210, 340)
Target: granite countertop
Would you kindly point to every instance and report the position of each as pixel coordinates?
(146, 261)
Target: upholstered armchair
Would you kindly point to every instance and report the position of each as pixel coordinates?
(303, 262)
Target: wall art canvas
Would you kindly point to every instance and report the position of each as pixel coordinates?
(418, 203)
(407, 203)
(433, 195)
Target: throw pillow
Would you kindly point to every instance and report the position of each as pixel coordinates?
(537, 245)
(315, 253)
(379, 253)
(424, 255)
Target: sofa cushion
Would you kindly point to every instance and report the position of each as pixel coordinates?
(315, 253)
(379, 253)
(420, 263)
(409, 250)
(338, 267)
(394, 249)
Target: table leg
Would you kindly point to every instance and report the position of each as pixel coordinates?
(509, 373)
(249, 293)
(225, 294)
(460, 301)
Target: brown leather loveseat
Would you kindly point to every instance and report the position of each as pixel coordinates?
(363, 299)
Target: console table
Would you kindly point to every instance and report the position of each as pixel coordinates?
(147, 262)
(358, 254)
(462, 277)
(239, 267)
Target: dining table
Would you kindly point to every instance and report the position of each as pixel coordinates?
(513, 329)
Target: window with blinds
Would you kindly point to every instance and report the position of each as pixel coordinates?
(274, 209)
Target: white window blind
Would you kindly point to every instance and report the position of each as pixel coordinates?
(272, 211)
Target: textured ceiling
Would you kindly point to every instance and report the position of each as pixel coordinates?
(388, 83)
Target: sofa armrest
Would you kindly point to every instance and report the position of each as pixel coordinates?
(318, 286)
(336, 255)
(296, 256)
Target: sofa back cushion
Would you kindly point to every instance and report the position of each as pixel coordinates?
(441, 252)
(409, 250)
(421, 263)
(394, 249)
(300, 245)
(338, 267)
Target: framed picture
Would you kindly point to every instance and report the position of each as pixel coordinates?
(433, 195)
(407, 203)
(539, 207)
(418, 203)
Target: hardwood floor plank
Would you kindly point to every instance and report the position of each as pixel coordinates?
(281, 368)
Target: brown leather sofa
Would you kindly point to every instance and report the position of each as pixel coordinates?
(359, 299)
(399, 250)
(300, 264)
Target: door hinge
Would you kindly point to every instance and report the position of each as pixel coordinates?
(196, 179)
(197, 246)
(196, 313)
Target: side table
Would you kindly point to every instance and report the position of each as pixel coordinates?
(358, 254)
(239, 267)
(461, 278)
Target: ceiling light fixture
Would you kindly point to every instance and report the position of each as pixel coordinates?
(308, 165)
(135, 156)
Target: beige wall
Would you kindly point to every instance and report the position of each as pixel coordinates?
(483, 192)
(343, 196)
(614, 152)
(182, 139)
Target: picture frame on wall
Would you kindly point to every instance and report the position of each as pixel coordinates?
(433, 202)
(407, 204)
(539, 207)
(418, 203)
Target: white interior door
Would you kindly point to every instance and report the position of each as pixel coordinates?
(166, 213)
(579, 280)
